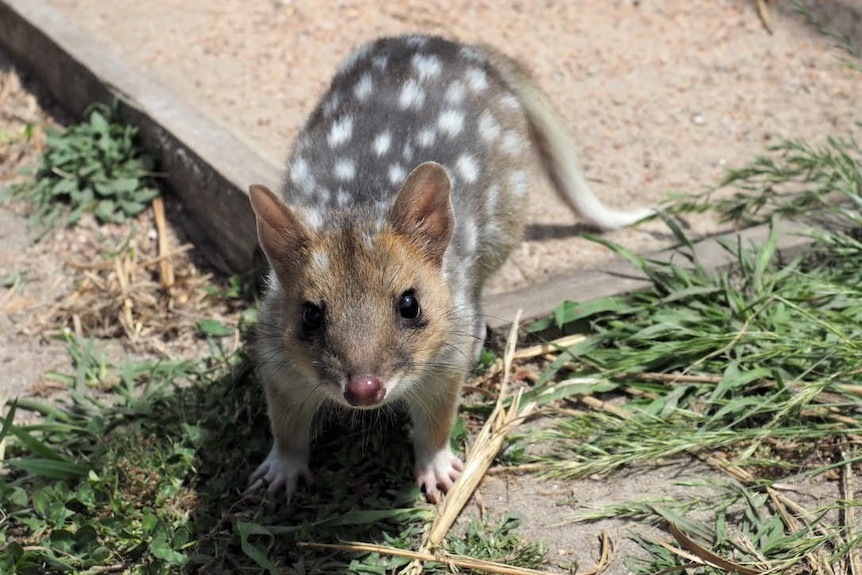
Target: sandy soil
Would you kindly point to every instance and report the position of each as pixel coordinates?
(31, 281)
(663, 96)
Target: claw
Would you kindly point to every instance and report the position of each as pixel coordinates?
(279, 471)
(438, 474)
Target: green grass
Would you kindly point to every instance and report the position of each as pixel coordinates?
(95, 167)
(768, 353)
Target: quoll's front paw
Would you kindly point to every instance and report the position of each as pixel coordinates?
(279, 471)
(437, 475)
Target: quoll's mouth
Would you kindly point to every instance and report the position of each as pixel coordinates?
(364, 391)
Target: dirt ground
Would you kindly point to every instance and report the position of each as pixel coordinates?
(663, 96)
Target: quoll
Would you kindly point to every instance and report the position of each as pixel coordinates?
(404, 191)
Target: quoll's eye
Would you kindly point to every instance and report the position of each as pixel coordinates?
(312, 317)
(408, 305)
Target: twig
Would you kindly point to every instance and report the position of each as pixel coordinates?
(673, 377)
(707, 556)
(166, 266)
(557, 345)
(424, 556)
(763, 12)
(144, 264)
(599, 405)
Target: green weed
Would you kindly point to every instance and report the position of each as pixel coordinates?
(93, 167)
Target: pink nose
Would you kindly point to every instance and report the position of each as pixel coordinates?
(364, 391)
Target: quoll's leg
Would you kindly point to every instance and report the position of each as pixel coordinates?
(287, 461)
(480, 331)
(433, 415)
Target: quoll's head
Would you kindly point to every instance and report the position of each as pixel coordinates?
(364, 304)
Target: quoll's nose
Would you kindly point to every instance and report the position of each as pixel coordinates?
(364, 391)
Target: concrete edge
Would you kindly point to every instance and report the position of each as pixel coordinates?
(206, 167)
(622, 277)
(209, 169)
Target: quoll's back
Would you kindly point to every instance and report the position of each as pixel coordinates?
(397, 103)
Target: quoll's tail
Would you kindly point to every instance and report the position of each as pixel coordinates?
(558, 151)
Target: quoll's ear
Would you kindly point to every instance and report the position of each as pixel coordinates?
(423, 210)
(279, 230)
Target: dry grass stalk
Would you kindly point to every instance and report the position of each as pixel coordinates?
(458, 561)
(166, 267)
(531, 352)
(606, 557)
(763, 12)
(146, 298)
(485, 448)
(599, 405)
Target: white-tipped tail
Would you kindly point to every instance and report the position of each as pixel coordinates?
(558, 151)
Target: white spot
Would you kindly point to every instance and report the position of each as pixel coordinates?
(407, 154)
(352, 58)
(322, 196)
(340, 132)
(397, 173)
(489, 129)
(331, 104)
(455, 92)
(382, 142)
(345, 169)
(477, 80)
(512, 143)
(342, 198)
(519, 182)
(468, 168)
(320, 260)
(426, 138)
(412, 96)
(313, 218)
(363, 88)
(510, 101)
(300, 174)
(426, 67)
(380, 62)
(451, 122)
